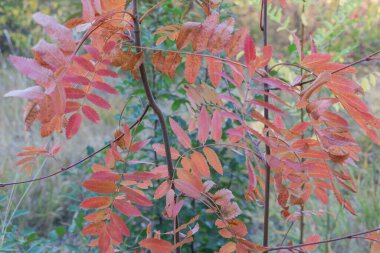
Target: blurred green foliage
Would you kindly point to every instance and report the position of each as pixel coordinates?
(18, 31)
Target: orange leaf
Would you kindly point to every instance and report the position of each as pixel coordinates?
(126, 208)
(73, 125)
(183, 138)
(106, 187)
(200, 164)
(311, 239)
(136, 197)
(160, 149)
(192, 66)
(96, 202)
(156, 245)
(213, 159)
(215, 69)
(204, 122)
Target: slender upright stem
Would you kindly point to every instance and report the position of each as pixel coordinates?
(156, 110)
(267, 149)
(302, 115)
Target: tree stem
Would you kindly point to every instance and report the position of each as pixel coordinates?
(156, 110)
(267, 149)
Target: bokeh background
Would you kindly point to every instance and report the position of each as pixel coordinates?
(45, 216)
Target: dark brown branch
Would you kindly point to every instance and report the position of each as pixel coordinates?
(157, 111)
(351, 236)
(264, 28)
(63, 169)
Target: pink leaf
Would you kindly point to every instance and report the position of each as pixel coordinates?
(99, 101)
(75, 79)
(139, 145)
(73, 93)
(215, 68)
(107, 72)
(160, 150)
(91, 114)
(34, 92)
(31, 69)
(104, 87)
(84, 63)
(73, 125)
(126, 208)
(249, 50)
(58, 32)
(311, 239)
(183, 138)
(204, 122)
(216, 125)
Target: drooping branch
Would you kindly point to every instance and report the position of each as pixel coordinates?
(156, 110)
(63, 169)
(351, 236)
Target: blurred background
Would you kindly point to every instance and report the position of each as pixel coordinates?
(45, 216)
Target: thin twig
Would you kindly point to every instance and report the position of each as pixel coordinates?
(351, 236)
(63, 169)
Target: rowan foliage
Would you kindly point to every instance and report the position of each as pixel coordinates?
(226, 81)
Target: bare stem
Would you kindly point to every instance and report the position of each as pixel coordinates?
(264, 28)
(351, 236)
(63, 169)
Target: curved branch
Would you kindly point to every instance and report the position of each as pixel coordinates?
(157, 111)
(63, 169)
(351, 236)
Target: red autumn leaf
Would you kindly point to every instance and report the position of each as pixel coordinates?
(105, 187)
(72, 106)
(192, 66)
(249, 50)
(157, 245)
(96, 202)
(162, 190)
(216, 125)
(118, 223)
(98, 216)
(311, 239)
(73, 125)
(99, 101)
(204, 122)
(91, 114)
(104, 241)
(138, 145)
(215, 69)
(75, 79)
(213, 159)
(160, 149)
(321, 195)
(107, 72)
(183, 138)
(200, 164)
(86, 64)
(136, 197)
(126, 208)
(94, 228)
(187, 188)
(104, 87)
(74, 93)
(106, 175)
